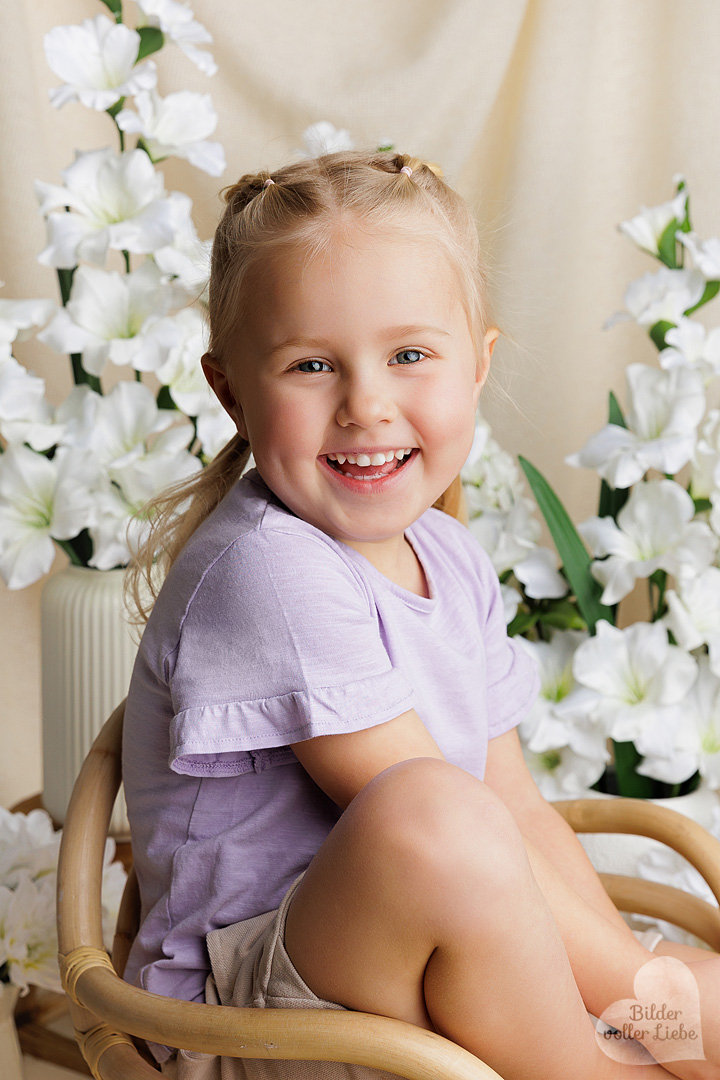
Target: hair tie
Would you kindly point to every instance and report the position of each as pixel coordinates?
(407, 170)
(268, 182)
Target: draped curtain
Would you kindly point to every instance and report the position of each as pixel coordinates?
(555, 119)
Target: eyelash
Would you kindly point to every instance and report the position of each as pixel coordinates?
(419, 353)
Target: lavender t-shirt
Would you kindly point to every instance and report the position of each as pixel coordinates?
(267, 632)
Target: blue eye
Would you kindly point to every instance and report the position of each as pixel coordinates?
(316, 366)
(412, 356)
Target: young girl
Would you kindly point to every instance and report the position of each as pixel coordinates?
(328, 800)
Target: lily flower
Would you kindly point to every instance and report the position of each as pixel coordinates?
(40, 500)
(186, 261)
(97, 63)
(639, 680)
(539, 575)
(116, 317)
(697, 739)
(665, 410)
(654, 531)
(647, 227)
(691, 345)
(706, 256)
(566, 748)
(178, 23)
(17, 317)
(693, 614)
(176, 126)
(118, 203)
(666, 295)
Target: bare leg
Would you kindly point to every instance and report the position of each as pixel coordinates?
(605, 961)
(422, 905)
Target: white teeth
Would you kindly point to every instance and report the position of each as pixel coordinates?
(380, 458)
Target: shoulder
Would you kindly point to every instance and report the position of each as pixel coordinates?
(457, 547)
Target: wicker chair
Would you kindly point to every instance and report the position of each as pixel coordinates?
(106, 1011)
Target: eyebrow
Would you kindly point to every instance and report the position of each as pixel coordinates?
(389, 332)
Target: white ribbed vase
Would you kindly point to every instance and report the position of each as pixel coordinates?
(87, 659)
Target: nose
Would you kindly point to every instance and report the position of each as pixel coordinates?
(365, 401)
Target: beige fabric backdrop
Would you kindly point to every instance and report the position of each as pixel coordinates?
(557, 119)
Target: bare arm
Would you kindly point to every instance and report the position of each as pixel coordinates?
(508, 775)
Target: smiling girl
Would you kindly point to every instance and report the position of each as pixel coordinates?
(328, 800)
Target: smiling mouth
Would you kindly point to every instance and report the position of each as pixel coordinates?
(368, 472)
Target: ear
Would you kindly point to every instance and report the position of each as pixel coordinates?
(483, 364)
(220, 385)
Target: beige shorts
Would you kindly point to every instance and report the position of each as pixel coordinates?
(250, 968)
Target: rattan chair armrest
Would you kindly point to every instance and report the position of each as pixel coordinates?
(289, 1034)
(659, 901)
(642, 818)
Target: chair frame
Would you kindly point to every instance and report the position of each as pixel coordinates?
(106, 1011)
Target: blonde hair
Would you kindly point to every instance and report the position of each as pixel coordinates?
(305, 204)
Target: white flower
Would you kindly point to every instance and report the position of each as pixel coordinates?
(511, 601)
(16, 319)
(691, 345)
(705, 256)
(118, 203)
(96, 62)
(27, 842)
(182, 372)
(506, 537)
(639, 679)
(697, 739)
(214, 429)
(25, 415)
(186, 262)
(665, 295)
(177, 125)
(115, 317)
(122, 522)
(28, 942)
(647, 227)
(178, 23)
(706, 457)
(693, 614)
(324, 138)
(566, 748)
(538, 573)
(40, 500)
(654, 531)
(665, 410)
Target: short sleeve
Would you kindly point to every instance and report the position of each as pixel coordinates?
(280, 643)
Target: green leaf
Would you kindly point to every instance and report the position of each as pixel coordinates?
(164, 399)
(658, 332)
(116, 7)
(563, 615)
(151, 39)
(612, 499)
(115, 109)
(523, 621)
(701, 505)
(386, 146)
(712, 288)
(573, 553)
(667, 245)
(631, 784)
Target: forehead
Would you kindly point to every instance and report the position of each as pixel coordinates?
(358, 275)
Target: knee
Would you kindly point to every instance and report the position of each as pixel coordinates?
(440, 821)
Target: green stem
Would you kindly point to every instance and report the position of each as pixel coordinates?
(67, 547)
(126, 256)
